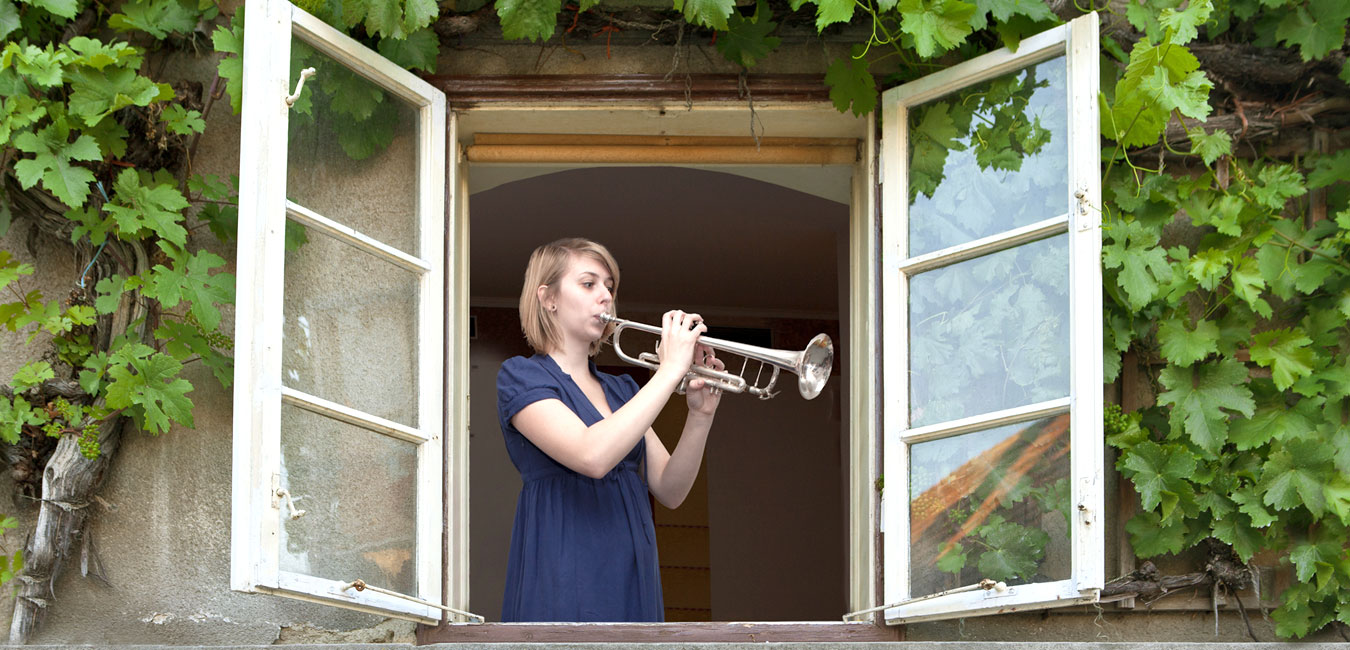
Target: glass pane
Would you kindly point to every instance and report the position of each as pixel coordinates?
(992, 504)
(990, 333)
(350, 331)
(352, 154)
(988, 158)
(359, 493)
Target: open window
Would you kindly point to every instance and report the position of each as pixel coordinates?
(991, 285)
(340, 330)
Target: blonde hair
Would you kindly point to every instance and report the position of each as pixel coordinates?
(546, 267)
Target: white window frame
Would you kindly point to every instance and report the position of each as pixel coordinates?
(259, 394)
(1077, 41)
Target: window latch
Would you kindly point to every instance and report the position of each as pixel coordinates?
(995, 589)
(304, 74)
(360, 585)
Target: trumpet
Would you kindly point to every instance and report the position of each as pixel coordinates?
(812, 365)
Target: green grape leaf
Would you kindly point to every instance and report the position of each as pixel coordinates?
(829, 12)
(1338, 496)
(1013, 550)
(953, 560)
(1278, 184)
(1293, 476)
(1134, 250)
(143, 204)
(1189, 95)
(708, 13)
(851, 85)
(141, 377)
(31, 374)
(110, 135)
(1249, 503)
(1209, 267)
(935, 25)
(1182, 346)
(1182, 24)
(1150, 537)
(40, 67)
(9, 18)
(417, 51)
(1137, 118)
(1236, 531)
(398, 18)
(52, 162)
(191, 279)
(109, 292)
(747, 40)
(1199, 396)
(1159, 474)
(181, 120)
(1210, 147)
(11, 269)
(158, 18)
(1004, 10)
(1316, 29)
(1247, 285)
(96, 94)
(1286, 353)
(62, 8)
(1274, 420)
(14, 415)
(230, 40)
(98, 55)
(1317, 560)
(1330, 169)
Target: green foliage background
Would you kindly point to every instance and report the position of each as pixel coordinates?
(1248, 442)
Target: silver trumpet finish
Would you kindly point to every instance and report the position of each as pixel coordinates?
(812, 365)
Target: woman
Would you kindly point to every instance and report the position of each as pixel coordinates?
(583, 547)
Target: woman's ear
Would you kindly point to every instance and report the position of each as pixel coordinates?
(542, 294)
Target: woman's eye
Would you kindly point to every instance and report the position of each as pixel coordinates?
(588, 284)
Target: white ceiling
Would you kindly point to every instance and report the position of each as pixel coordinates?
(711, 241)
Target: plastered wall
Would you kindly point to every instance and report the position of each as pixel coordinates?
(161, 530)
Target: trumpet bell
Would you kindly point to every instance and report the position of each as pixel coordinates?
(817, 361)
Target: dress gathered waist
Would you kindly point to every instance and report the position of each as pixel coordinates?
(541, 473)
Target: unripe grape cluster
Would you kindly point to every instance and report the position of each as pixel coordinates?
(1115, 420)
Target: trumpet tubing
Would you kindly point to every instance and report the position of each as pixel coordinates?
(811, 365)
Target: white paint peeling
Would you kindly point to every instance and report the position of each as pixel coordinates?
(158, 619)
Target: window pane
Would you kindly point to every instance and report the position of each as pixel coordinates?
(991, 504)
(350, 333)
(988, 158)
(352, 155)
(990, 333)
(359, 493)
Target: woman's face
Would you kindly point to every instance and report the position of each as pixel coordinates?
(583, 294)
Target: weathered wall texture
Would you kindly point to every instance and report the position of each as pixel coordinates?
(163, 535)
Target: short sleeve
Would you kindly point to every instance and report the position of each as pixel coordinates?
(520, 383)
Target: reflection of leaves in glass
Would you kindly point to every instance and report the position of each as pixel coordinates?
(1014, 550)
(986, 505)
(988, 333)
(988, 158)
(338, 105)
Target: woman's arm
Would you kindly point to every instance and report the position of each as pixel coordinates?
(669, 476)
(594, 450)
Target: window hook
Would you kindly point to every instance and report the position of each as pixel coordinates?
(295, 513)
(299, 86)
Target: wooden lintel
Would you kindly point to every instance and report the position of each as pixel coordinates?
(465, 91)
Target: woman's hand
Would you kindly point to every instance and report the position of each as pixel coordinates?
(679, 340)
(701, 395)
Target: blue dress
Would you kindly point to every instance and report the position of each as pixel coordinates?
(582, 549)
